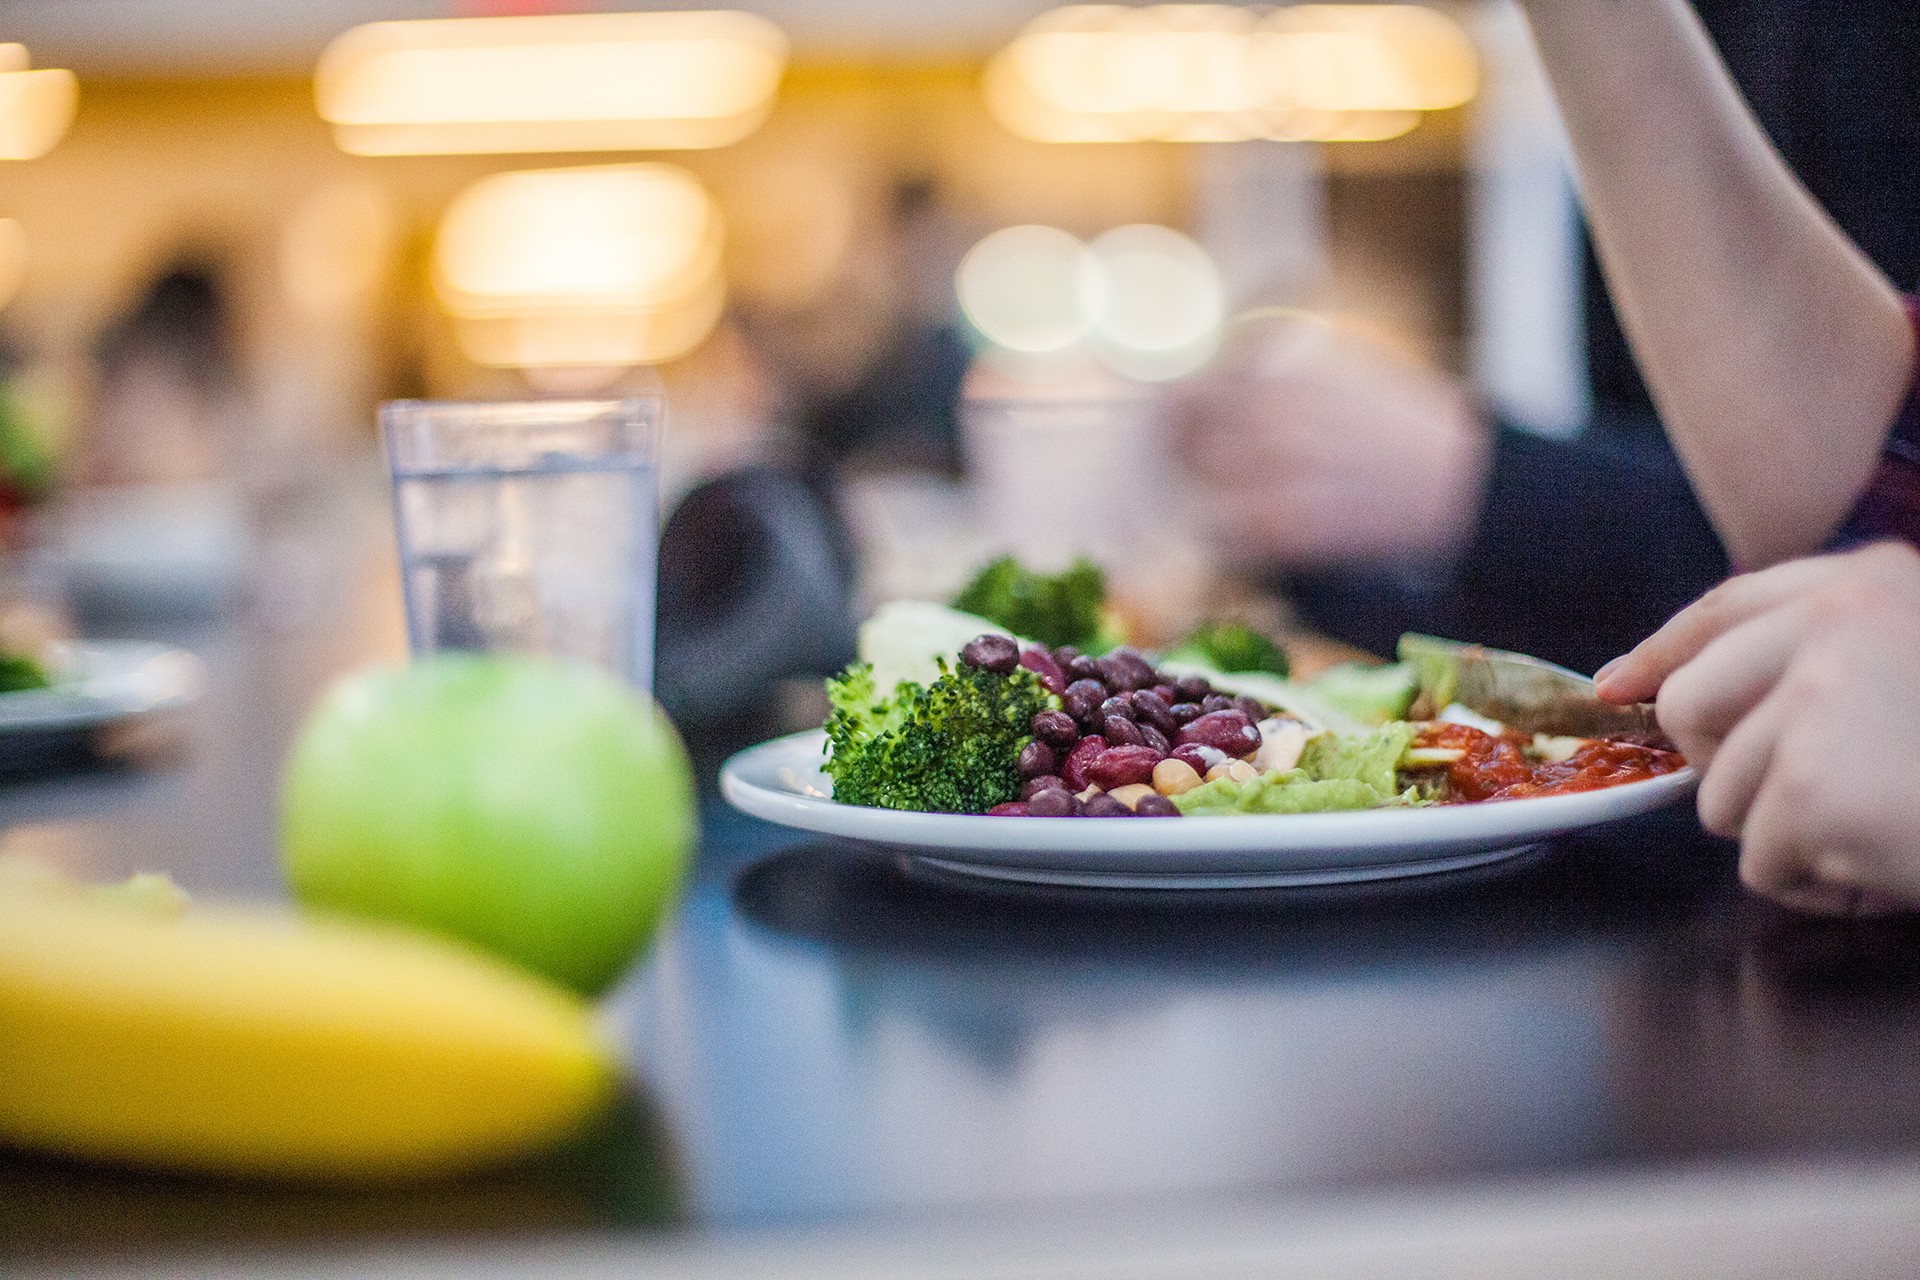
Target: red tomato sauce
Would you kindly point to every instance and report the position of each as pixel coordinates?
(1498, 769)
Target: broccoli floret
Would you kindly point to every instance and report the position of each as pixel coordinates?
(1061, 609)
(949, 747)
(1231, 647)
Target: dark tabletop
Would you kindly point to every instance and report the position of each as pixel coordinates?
(821, 1039)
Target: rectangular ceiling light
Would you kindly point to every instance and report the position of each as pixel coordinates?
(35, 106)
(559, 82)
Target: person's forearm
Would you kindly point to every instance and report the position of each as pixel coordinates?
(1776, 352)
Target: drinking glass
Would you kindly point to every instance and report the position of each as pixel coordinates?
(529, 527)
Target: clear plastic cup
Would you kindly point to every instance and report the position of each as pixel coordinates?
(529, 527)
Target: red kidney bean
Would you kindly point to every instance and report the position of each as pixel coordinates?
(1150, 708)
(1083, 698)
(1105, 806)
(994, 653)
(1056, 729)
(1011, 809)
(1124, 671)
(1191, 688)
(1037, 759)
(1073, 770)
(1118, 705)
(1152, 737)
(1081, 667)
(1164, 692)
(1054, 802)
(1065, 654)
(1184, 711)
(1041, 663)
(1192, 757)
(1252, 708)
(1215, 702)
(1121, 731)
(1152, 807)
(1119, 766)
(1228, 731)
(1034, 786)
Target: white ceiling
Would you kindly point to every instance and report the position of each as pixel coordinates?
(146, 37)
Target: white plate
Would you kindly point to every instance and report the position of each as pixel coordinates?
(781, 782)
(101, 682)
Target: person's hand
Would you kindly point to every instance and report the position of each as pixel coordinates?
(1796, 692)
(1315, 446)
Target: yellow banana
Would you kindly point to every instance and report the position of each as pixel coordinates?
(252, 1041)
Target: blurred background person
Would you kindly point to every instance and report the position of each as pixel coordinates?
(1385, 498)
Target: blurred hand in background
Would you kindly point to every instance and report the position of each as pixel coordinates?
(1318, 445)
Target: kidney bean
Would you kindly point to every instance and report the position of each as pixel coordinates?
(1252, 708)
(1037, 759)
(991, 653)
(1054, 802)
(1118, 705)
(1034, 786)
(1152, 737)
(1083, 698)
(1228, 731)
(1105, 806)
(1055, 728)
(1152, 807)
(1215, 702)
(1184, 711)
(1124, 671)
(1073, 770)
(1150, 708)
(1081, 667)
(1011, 809)
(1119, 766)
(1065, 654)
(1191, 755)
(1041, 663)
(1122, 731)
(1191, 688)
(1164, 691)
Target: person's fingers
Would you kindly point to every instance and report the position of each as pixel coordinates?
(1732, 774)
(1638, 675)
(1790, 848)
(1699, 704)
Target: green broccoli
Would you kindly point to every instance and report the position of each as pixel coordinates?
(949, 747)
(1064, 608)
(1230, 647)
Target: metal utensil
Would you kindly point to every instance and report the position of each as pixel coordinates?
(1521, 692)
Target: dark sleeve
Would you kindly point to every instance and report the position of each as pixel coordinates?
(1584, 547)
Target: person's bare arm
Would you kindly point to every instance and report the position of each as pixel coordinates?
(1777, 354)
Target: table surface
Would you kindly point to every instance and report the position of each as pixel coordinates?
(819, 1039)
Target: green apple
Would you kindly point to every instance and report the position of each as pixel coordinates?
(541, 812)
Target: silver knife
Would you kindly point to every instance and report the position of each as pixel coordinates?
(1521, 692)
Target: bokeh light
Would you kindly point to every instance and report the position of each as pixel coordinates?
(1145, 299)
(1220, 73)
(1030, 288)
(1161, 305)
(554, 82)
(609, 264)
(36, 106)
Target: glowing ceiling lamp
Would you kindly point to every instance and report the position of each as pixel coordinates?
(605, 265)
(36, 106)
(558, 82)
(1220, 73)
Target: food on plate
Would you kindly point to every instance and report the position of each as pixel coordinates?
(1012, 727)
(19, 671)
(540, 812)
(247, 1040)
